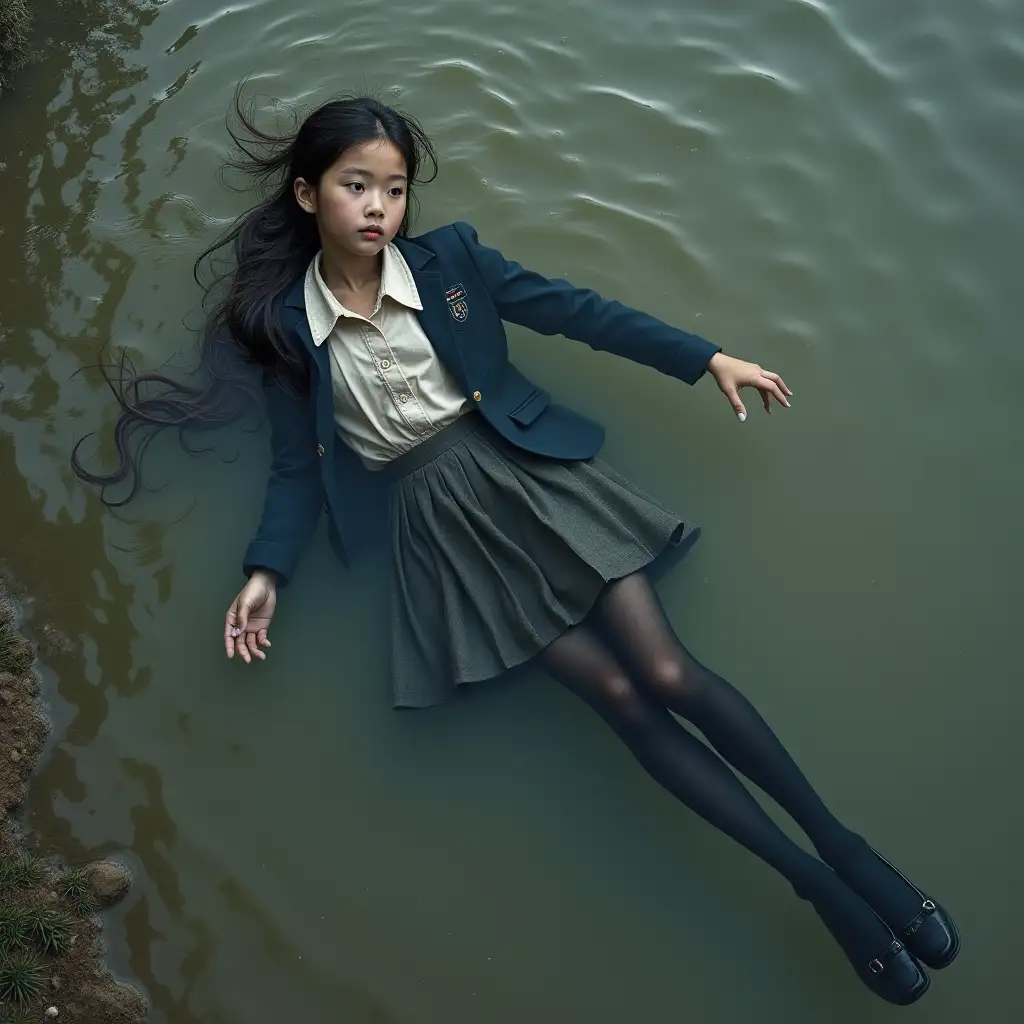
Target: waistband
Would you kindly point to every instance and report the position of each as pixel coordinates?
(437, 444)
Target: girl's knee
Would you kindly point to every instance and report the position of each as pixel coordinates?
(618, 688)
(674, 679)
(621, 696)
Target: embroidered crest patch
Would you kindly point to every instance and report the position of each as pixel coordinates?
(456, 299)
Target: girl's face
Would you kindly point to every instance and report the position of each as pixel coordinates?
(360, 202)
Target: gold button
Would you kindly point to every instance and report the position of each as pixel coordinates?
(477, 396)
(320, 450)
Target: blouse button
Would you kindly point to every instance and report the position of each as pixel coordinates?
(403, 398)
(477, 396)
(385, 364)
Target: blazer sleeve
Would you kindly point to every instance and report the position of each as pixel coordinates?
(295, 495)
(558, 307)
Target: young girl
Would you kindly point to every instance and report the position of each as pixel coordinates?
(385, 366)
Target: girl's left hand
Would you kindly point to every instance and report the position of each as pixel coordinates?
(733, 374)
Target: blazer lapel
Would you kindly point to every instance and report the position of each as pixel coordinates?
(295, 299)
(437, 322)
(295, 320)
(435, 319)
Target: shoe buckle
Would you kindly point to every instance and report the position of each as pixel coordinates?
(876, 966)
(927, 909)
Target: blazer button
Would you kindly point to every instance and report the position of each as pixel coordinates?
(477, 396)
(320, 450)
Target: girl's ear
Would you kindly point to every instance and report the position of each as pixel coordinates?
(305, 195)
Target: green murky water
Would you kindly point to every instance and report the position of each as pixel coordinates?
(831, 188)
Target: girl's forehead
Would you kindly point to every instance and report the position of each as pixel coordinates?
(381, 156)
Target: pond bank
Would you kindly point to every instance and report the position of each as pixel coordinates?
(29, 30)
(15, 26)
(51, 949)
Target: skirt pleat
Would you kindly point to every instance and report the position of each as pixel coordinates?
(497, 551)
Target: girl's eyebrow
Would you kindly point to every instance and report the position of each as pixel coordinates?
(369, 174)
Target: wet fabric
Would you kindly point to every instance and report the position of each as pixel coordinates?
(497, 551)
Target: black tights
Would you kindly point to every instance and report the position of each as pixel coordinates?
(628, 665)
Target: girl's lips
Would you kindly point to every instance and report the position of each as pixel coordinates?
(371, 233)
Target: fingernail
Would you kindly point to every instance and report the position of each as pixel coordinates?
(741, 416)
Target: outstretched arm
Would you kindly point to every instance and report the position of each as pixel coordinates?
(549, 306)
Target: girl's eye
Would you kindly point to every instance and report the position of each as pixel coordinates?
(395, 193)
(356, 186)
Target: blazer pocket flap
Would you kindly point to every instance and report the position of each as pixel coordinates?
(530, 408)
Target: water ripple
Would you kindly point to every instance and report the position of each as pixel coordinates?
(832, 187)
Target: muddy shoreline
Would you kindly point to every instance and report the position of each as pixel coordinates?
(51, 945)
(15, 30)
(51, 948)
(31, 31)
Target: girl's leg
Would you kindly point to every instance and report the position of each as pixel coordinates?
(693, 773)
(632, 621)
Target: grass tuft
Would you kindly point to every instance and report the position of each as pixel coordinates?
(15, 21)
(18, 1017)
(15, 930)
(9, 640)
(21, 977)
(49, 928)
(74, 886)
(16, 653)
(22, 872)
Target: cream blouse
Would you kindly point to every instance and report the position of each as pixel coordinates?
(390, 389)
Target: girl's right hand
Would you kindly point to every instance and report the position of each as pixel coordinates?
(248, 618)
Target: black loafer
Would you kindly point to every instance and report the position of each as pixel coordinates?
(931, 936)
(895, 976)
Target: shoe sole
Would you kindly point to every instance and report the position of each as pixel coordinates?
(920, 992)
(954, 948)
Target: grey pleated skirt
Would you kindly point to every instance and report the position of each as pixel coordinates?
(497, 551)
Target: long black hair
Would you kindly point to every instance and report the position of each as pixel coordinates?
(245, 275)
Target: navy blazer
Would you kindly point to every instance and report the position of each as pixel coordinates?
(467, 290)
